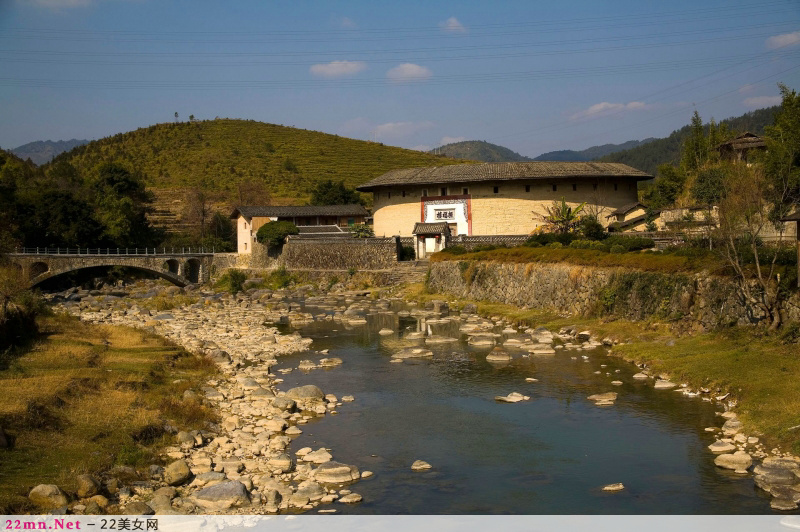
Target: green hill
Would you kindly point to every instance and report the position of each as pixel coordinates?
(43, 151)
(647, 157)
(480, 150)
(219, 154)
(589, 153)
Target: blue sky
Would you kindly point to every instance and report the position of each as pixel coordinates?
(532, 76)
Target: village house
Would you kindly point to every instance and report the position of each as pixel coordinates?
(311, 219)
(496, 198)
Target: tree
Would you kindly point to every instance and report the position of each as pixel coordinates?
(330, 193)
(667, 187)
(782, 159)
(191, 118)
(561, 217)
(252, 192)
(176, 117)
(274, 233)
(121, 204)
(198, 209)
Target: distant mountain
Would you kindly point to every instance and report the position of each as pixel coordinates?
(480, 150)
(590, 154)
(43, 151)
(647, 157)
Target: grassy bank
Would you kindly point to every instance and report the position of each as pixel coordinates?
(759, 370)
(88, 397)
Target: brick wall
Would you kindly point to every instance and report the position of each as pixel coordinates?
(330, 254)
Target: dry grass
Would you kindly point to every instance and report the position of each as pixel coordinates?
(80, 399)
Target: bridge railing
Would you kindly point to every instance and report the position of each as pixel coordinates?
(114, 251)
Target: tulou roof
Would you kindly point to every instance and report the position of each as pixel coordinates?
(274, 211)
(461, 173)
(625, 209)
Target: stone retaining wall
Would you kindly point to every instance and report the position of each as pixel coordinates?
(471, 242)
(579, 290)
(322, 254)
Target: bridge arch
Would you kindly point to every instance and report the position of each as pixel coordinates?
(173, 278)
(172, 266)
(193, 270)
(38, 268)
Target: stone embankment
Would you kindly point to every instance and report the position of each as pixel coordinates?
(704, 301)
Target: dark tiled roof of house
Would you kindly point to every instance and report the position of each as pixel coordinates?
(299, 211)
(315, 229)
(433, 228)
(462, 173)
(792, 217)
(625, 209)
(745, 140)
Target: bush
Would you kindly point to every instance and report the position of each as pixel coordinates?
(629, 243)
(544, 239)
(555, 245)
(273, 234)
(591, 228)
(236, 281)
(616, 248)
(362, 231)
(581, 244)
(407, 253)
(455, 250)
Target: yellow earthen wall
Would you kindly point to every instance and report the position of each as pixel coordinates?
(512, 211)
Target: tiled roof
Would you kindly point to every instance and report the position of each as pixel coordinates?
(792, 217)
(625, 209)
(314, 229)
(434, 228)
(461, 173)
(299, 210)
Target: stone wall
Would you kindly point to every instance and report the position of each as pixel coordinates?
(706, 301)
(471, 242)
(322, 254)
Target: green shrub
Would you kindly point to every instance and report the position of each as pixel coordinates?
(581, 244)
(407, 253)
(617, 248)
(362, 231)
(236, 281)
(279, 278)
(455, 250)
(629, 243)
(544, 239)
(274, 233)
(598, 246)
(485, 247)
(592, 229)
(555, 245)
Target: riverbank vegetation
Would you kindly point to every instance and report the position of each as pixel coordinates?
(758, 369)
(85, 398)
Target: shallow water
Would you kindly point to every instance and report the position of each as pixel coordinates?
(549, 455)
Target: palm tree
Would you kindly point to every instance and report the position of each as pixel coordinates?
(561, 217)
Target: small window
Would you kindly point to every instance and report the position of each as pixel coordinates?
(424, 192)
(496, 190)
(443, 191)
(555, 188)
(245, 246)
(465, 191)
(615, 186)
(389, 195)
(574, 187)
(527, 188)
(404, 193)
(594, 186)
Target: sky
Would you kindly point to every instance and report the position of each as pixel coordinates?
(531, 76)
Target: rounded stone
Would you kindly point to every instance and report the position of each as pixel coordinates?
(420, 465)
(737, 461)
(336, 473)
(87, 486)
(47, 496)
(308, 391)
(177, 473)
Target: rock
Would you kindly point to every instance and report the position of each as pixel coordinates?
(336, 473)
(282, 461)
(783, 505)
(311, 490)
(160, 504)
(319, 456)
(308, 391)
(222, 496)
(351, 498)
(413, 352)
(498, 355)
(348, 398)
(420, 465)
(330, 362)
(366, 474)
(738, 461)
(385, 332)
(604, 397)
(664, 385)
(47, 496)
(721, 447)
(184, 437)
(641, 376)
(177, 473)
(731, 427)
(614, 487)
(99, 500)
(768, 476)
(513, 397)
(87, 486)
(284, 403)
(138, 508)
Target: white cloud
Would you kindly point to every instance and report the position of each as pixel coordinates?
(756, 102)
(347, 23)
(452, 25)
(408, 72)
(783, 40)
(59, 4)
(399, 130)
(337, 69)
(744, 89)
(451, 140)
(604, 108)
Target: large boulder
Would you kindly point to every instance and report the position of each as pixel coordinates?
(309, 391)
(738, 461)
(87, 486)
(177, 473)
(222, 496)
(47, 496)
(336, 473)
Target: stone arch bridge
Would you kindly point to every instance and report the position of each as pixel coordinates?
(185, 267)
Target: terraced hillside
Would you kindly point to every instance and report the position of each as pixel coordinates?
(219, 154)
